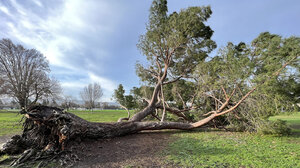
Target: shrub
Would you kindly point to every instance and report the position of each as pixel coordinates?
(278, 127)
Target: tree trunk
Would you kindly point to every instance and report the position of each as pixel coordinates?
(50, 129)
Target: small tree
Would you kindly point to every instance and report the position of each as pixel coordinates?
(69, 102)
(127, 101)
(91, 94)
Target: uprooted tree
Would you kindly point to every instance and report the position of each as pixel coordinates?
(175, 45)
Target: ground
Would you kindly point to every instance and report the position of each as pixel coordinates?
(138, 150)
(212, 148)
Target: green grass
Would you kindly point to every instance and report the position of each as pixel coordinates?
(293, 119)
(10, 120)
(9, 123)
(101, 115)
(225, 149)
(206, 149)
(232, 149)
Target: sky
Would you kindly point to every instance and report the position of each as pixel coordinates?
(87, 41)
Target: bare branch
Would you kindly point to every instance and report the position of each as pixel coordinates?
(226, 96)
(172, 81)
(218, 100)
(128, 114)
(177, 112)
(163, 102)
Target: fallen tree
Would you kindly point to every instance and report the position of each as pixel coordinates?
(49, 131)
(174, 45)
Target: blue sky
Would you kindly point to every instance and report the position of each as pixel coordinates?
(89, 41)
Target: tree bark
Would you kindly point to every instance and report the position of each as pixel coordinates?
(52, 129)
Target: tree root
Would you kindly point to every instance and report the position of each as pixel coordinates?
(49, 132)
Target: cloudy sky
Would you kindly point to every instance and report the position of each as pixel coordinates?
(89, 41)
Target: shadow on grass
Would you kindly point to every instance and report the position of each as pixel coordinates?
(194, 147)
(171, 131)
(295, 130)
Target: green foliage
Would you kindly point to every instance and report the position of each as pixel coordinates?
(183, 36)
(278, 127)
(125, 100)
(242, 67)
(178, 44)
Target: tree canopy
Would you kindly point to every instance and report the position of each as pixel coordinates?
(25, 74)
(188, 83)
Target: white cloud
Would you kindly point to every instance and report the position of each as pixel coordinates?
(38, 3)
(19, 8)
(62, 29)
(74, 85)
(5, 10)
(63, 33)
(71, 87)
(106, 84)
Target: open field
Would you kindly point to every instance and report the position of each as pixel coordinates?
(227, 149)
(235, 149)
(101, 115)
(10, 120)
(205, 149)
(293, 120)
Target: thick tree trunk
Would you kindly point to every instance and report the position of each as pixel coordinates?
(50, 129)
(151, 106)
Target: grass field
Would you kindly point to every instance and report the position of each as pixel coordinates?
(207, 149)
(233, 149)
(10, 120)
(101, 115)
(293, 120)
(225, 149)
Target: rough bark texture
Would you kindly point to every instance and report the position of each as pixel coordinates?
(50, 130)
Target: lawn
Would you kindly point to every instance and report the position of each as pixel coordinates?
(10, 120)
(101, 115)
(234, 149)
(206, 149)
(293, 120)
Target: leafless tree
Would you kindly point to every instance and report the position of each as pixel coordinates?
(25, 74)
(69, 102)
(2, 85)
(91, 94)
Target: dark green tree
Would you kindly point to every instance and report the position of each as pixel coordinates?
(126, 101)
(173, 45)
(265, 65)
